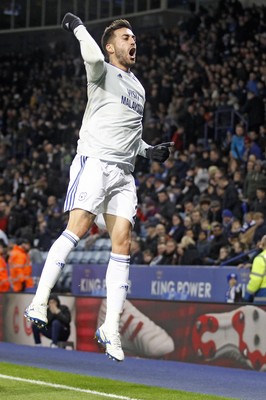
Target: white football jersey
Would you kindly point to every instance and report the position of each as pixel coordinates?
(112, 123)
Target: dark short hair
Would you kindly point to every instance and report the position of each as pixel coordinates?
(54, 297)
(109, 30)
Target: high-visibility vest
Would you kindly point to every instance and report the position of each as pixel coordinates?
(20, 269)
(257, 278)
(4, 280)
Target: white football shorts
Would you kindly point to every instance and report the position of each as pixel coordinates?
(101, 187)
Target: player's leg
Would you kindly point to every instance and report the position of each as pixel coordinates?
(120, 210)
(79, 201)
(79, 223)
(118, 268)
(117, 274)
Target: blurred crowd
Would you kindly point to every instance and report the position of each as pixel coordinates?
(207, 203)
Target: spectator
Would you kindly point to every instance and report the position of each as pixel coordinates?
(248, 221)
(236, 227)
(238, 256)
(257, 280)
(196, 218)
(234, 291)
(227, 220)
(177, 229)
(136, 255)
(161, 233)
(254, 178)
(260, 228)
(252, 146)
(58, 326)
(20, 266)
(21, 215)
(165, 207)
(188, 208)
(43, 236)
(169, 256)
(3, 238)
(159, 185)
(4, 279)
(201, 178)
(230, 199)
(224, 256)
(161, 247)
(151, 238)
(187, 223)
(51, 205)
(216, 160)
(219, 239)
(188, 252)
(204, 206)
(4, 216)
(215, 212)
(147, 256)
(203, 244)
(190, 190)
(238, 143)
(259, 204)
(254, 108)
(56, 223)
(146, 189)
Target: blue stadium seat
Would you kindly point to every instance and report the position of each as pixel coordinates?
(81, 246)
(107, 244)
(86, 257)
(96, 255)
(75, 257)
(104, 257)
(44, 255)
(98, 244)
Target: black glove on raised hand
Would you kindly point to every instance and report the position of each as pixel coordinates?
(160, 152)
(70, 22)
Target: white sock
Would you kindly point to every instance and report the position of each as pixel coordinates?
(116, 287)
(54, 265)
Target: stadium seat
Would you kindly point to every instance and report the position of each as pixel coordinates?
(96, 255)
(86, 257)
(104, 257)
(81, 245)
(98, 244)
(44, 255)
(63, 285)
(75, 257)
(107, 244)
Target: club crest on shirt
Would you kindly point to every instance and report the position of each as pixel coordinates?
(82, 196)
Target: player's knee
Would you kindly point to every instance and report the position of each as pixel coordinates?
(122, 245)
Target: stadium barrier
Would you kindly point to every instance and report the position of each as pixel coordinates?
(221, 334)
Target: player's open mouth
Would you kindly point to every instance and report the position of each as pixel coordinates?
(132, 52)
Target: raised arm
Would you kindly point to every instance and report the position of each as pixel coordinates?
(90, 51)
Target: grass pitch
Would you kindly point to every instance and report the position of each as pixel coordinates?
(28, 383)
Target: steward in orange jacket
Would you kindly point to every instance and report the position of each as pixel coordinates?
(4, 281)
(20, 268)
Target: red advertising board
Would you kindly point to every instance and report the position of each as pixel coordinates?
(214, 334)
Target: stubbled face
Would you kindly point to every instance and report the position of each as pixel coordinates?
(122, 49)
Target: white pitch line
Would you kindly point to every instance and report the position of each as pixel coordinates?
(57, 386)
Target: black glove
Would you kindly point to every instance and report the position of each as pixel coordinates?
(160, 152)
(70, 22)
